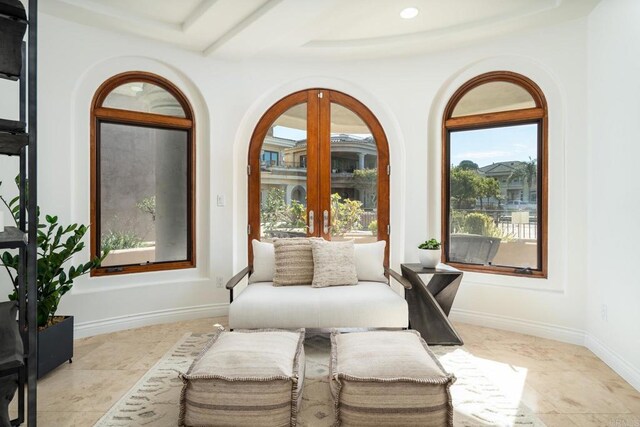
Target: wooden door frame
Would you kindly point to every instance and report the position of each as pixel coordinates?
(318, 129)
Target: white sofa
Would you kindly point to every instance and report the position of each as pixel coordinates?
(369, 304)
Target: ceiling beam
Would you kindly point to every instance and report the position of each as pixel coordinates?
(197, 13)
(241, 26)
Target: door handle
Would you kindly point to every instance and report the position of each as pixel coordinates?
(325, 216)
(310, 223)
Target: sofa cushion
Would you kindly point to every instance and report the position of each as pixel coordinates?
(370, 261)
(365, 305)
(333, 263)
(264, 262)
(294, 262)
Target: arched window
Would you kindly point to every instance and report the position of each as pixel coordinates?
(319, 166)
(494, 176)
(142, 175)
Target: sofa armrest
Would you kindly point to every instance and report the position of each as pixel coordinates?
(237, 278)
(399, 277)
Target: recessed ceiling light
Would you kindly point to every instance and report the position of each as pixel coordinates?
(409, 12)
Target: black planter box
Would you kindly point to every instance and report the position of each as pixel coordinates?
(13, 25)
(55, 346)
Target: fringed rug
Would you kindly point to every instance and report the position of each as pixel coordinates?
(154, 400)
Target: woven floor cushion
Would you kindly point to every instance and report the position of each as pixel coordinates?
(388, 378)
(245, 378)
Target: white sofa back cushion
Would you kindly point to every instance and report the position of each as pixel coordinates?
(370, 261)
(264, 262)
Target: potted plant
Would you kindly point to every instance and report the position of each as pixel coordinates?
(429, 253)
(56, 246)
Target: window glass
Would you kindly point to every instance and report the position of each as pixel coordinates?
(283, 183)
(354, 178)
(493, 211)
(143, 194)
(493, 97)
(144, 97)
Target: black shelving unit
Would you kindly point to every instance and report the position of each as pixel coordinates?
(18, 61)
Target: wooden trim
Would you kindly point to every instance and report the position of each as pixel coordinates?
(140, 118)
(539, 115)
(494, 119)
(130, 269)
(494, 269)
(318, 158)
(99, 114)
(324, 163)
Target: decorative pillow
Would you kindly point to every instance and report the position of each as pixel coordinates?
(264, 262)
(293, 262)
(370, 261)
(333, 263)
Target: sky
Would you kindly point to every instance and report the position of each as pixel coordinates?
(298, 134)
(289, 133)
(482, 146)
(487, 146)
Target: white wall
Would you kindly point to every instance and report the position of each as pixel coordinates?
(614, 188)
(407, 95)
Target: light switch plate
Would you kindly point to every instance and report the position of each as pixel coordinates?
(220, 200)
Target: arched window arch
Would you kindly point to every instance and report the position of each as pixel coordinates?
(142, 175)
(319, 166)
(494, 176)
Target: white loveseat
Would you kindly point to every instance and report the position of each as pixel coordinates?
(368, 304)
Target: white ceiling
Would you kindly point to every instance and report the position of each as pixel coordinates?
(327, 29)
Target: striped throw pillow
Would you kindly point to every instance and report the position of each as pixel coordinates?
(294, 262)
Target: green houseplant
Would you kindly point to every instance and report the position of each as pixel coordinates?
(429, 253)
(57, 244)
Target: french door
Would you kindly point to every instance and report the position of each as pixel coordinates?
(319, 166)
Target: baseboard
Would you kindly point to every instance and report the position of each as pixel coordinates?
(529, 327)
(626, 370)
(113, 324)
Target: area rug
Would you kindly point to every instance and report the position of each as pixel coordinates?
(154, 400)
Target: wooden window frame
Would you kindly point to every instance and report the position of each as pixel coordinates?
(538, 115)
(318, 129)
(100, 114)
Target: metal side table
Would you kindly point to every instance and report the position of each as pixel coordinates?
(430, 303)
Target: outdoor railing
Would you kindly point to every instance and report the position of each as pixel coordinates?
(511, 222)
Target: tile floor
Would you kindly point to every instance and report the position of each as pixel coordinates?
(564, 384)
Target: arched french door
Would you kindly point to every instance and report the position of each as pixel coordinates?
(319, 166)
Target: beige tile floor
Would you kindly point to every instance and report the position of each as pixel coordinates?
(566, 385)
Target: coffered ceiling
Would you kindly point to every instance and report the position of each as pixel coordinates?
(327, 29)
